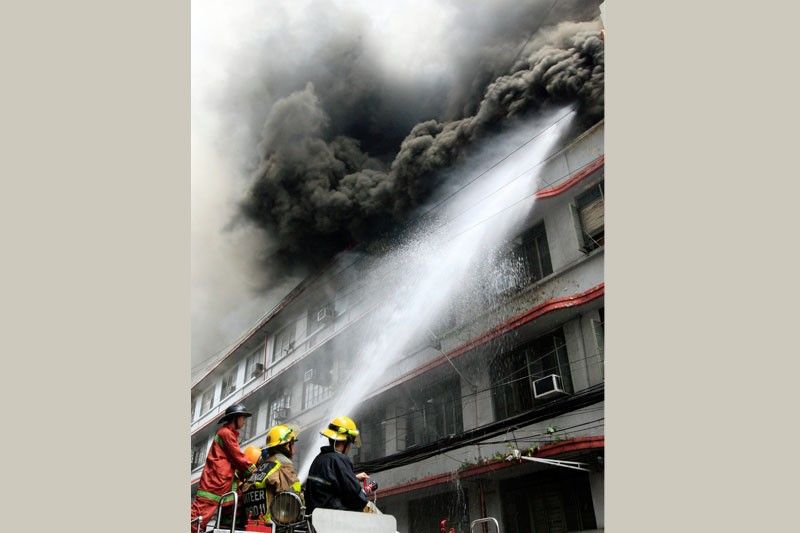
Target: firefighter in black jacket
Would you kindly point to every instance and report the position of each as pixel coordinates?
(332, 483)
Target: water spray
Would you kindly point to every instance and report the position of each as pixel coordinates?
(413, 283)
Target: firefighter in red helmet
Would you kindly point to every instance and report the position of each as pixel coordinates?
(225, 465)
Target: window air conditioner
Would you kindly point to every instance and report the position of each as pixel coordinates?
(309, 375)
(258, 370)
(325, 314)
(548, 386)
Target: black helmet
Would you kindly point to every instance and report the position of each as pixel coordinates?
(234, 410)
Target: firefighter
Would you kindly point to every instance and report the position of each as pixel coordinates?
(332, 483)
(275, 473)
(224, 464)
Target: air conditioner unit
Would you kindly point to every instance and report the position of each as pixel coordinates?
(548, 386)
(325, 314)
(258, 370)
(309, 375)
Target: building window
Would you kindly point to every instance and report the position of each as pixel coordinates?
(590, 215)
(194, 407)
(373, 438)
(207, 401)
(198, 455)
(251, 369)
(284, 342)
(426, 513)
(279, 409)
(434, 413)
(320, 316)
(513, 373)
(555, 501)
(528, 261)
(600, 338)
(229, 382)
(534, 254)
(249, 429)
(314, 392)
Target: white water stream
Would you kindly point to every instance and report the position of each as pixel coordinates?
(412, 284)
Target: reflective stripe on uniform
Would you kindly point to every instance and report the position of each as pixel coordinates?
(208, 495)
(296, 486)
(274, 468)
(219, 440)
(214, 497)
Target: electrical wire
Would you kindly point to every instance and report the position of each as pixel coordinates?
(474, 436)
(492, 387)
(459, 401)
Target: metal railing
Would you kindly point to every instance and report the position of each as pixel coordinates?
(218, 524)
(484, 521)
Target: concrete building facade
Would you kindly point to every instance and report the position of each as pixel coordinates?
(525, 372)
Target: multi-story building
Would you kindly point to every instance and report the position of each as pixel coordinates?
(525, 373)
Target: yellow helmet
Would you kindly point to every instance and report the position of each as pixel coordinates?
(280, 434)
(342, 428)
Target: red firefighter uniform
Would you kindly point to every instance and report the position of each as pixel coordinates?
(224, 465)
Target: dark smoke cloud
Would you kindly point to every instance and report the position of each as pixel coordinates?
(317, 189)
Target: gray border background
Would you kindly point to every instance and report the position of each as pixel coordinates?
(701, 265)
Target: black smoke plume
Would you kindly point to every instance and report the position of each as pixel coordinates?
(317, 189)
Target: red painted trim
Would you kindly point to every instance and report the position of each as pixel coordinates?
(549, 450)
(513, 323)
(573, 180)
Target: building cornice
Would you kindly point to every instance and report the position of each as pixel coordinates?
(576, 444)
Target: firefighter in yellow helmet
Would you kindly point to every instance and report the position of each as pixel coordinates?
(332, 483)
(275, 473)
